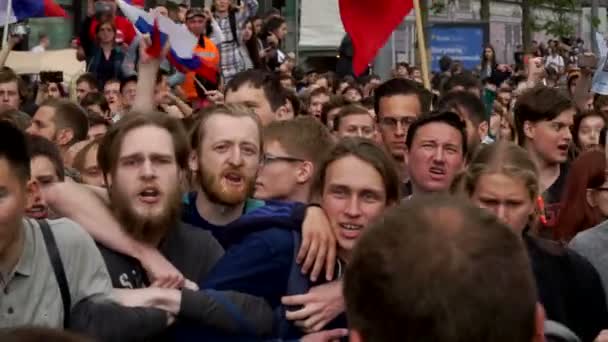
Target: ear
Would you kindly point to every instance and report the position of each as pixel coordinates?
(64, 136)
(482, 129)
(304, 172)
(33, 192)
(529, 129)
(282, 113)
(539, 324)
(193, 161)
(589, 196)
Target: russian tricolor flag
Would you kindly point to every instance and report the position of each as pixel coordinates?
(24, 9)
(182, 41)
(138, 3)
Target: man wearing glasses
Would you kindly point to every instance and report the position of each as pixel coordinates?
(292, 150)
(398, 102)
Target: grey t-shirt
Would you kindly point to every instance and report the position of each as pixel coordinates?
(593, 245)
(30, 293)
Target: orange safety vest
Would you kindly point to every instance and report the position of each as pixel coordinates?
(209, 70)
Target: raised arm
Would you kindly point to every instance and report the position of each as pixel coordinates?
(249, 9)
(6, 49)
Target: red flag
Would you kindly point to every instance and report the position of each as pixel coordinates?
(369, 24)
(155, 49)
(52, 9)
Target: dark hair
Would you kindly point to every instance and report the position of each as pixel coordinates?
(400, 86)
(99, 25)
(127, 80)
(588, 171)
(293, 98)
(539, 104)
(484, 61)
(71, 116)
(7, 75)
(252, 45)
(111, 144)
(349, 110)
(603, 136)
(578, 120)
(599, 101)
(80, 158)
(18, 118)
(267, 81)
(41, 147)
(445, 62)
(449, 118)
(96, 119)
(270, 25)
(463, 265)
(458, 101)
(465, 80)
(89, 78)
(13, 148)
(335, 101)
(95, 98)
(369, 152)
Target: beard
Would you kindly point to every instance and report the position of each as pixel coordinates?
(149, 229)
(219, 192)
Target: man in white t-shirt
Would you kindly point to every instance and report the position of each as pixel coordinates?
(43, 43)
(554, 60)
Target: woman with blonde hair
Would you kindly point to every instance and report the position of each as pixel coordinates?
(504, 180)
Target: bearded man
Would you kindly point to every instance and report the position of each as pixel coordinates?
(142, 159)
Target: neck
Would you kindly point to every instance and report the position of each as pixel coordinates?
(217, 214)
(300, 194)
(548, 172)
(106, 46)
(11, 253)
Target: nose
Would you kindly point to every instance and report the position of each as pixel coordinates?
(360, 132)
(236, 157)
(30, 129)
(501, 212)
(147, 170)
(439, 155)
(400, 129)
(567, 134)
(352, 207)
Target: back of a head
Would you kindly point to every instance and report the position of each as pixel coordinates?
(440, 269)
(303, 137)
(69, 115)
(466, 81)
(400, 86)
(16, 117)
(459, 101)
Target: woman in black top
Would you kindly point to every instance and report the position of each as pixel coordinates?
(106, 60)
(503, 179)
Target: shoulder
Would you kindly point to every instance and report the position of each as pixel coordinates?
(189, 234)
(276, 240)
(69, 234)
(591, 238)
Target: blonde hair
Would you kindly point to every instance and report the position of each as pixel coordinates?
(503, 158)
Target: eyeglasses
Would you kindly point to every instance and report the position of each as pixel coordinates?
(268, 158)
(392, 122)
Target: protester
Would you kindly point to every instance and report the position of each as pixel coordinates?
(354, 121)
(583, 198)
(85, 162)
(105, 60)
(586, 130)
(504, 179)
(85, 84)
(436, 149)
(461, 264)
(293, 151)
(544, 117)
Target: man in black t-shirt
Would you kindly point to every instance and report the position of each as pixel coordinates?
(543, 118)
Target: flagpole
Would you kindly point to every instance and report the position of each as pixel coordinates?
(9, 8)
(422, 46)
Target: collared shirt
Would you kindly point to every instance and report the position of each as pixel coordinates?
(30, 293)
(232, 59)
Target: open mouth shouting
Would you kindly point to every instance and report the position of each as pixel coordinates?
(37, 212)
(149, 195)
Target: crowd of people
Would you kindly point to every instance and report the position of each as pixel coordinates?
(248, 201)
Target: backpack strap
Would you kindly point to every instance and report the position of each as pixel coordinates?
(55, 258)
(232, 20)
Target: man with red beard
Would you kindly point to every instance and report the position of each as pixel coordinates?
(142, 158)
